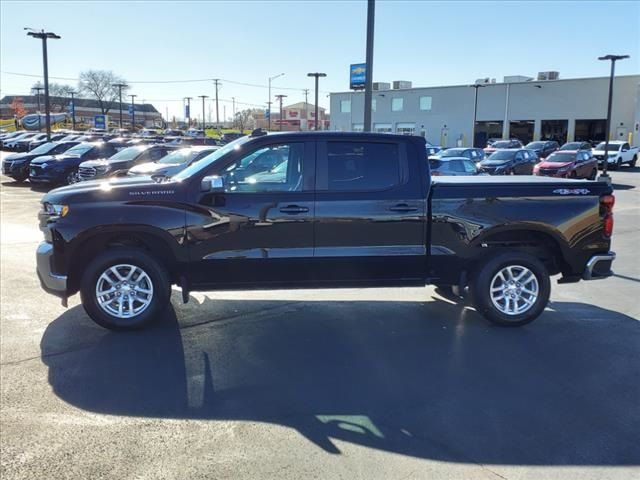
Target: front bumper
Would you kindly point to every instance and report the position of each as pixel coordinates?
(51, 282)
(15, 168)
(599, 266)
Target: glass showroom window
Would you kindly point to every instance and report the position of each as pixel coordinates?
(397, 104)
(405, 128)
(382, 127)
(425, 103)
(345, 106)
(374, 104)
(357, 127)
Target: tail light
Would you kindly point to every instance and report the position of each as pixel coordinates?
(606, 209)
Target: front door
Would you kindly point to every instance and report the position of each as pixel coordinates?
(370, 213)
(258, 232)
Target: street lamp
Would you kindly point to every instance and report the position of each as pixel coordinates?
(613, 58)
(317, 75)
(475, 112)
(133, 113)
(279, 97)
(368, 84)
(44, 36)
(269, 102)
(73, 110)
(120, 86)
(203, 125)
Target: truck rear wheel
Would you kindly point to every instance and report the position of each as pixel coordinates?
(511, 289)
(125, 289)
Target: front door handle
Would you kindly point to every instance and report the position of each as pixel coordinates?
(403, 207)
(293, 209)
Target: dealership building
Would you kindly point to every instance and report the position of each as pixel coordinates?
(541, 108)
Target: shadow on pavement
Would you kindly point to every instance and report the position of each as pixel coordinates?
(425, 379)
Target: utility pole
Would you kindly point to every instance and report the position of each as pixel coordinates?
(306, 113)
(605, 163)
(317, 75)
(216, 81)
(475, 113)
(368, 84)
(73, 110)
(133, 113)
(269, 102)
(44, 36)
(188, 112)
(280, 97)
(203, 122)
(233, 99)
(120, 87)
(38, 90)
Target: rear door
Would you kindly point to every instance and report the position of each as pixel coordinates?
(370, 212)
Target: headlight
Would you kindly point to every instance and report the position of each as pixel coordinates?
(103, 168)
(613, 154)
(43, 165)
(56, 210)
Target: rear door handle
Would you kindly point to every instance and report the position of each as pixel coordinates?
(403, 207)
(293, 209)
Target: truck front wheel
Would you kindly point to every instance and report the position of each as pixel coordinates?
(125, 289)
(511, 289)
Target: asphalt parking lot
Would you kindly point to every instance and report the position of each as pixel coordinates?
(386, 383)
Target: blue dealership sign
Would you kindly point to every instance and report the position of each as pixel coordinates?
(267, 114)
(357, 76)
(100, 121)
(130, 109)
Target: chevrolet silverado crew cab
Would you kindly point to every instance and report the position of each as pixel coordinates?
(319, 210)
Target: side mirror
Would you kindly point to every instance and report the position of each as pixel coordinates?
(212, 184)
(625, 150)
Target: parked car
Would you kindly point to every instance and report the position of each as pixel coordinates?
(453, 166)
(617, 154)
(509, 162)
(543, 148)
(173, 132)
(501, 145)
(230, 137)
(55, 137)
(572, 146)
(63, 168)
(23, 145)
(172, 163)
(568, 164)
(353, 210)
(475, 154)
(491, 141)
(12, 143)
(432, 150)
(121, 162)
(5, 137)
(17, 165)
(195, 133)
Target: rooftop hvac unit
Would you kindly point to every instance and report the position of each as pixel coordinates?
(401, 84)
(481, 81)
(493, 80)
(548, 75)
(381, 86)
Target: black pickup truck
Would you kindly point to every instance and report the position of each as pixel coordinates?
(321, 209)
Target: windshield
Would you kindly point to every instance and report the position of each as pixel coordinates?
(452, 152)
(571, 146)
(535, 145)
(44, 148)
(611, 148)
(505, 144)
(181, 156)
(80, 149)
(502, 155)
(128, 153)
(211, 159)
(561, 157)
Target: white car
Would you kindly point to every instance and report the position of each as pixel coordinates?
(618, 153)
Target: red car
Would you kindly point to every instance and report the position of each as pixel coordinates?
(568, 164)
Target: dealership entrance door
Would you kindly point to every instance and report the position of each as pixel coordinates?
(554, 130)
(485, 131)
(591, 130)
(522, 130)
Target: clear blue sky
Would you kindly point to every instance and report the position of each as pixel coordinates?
(429, 43)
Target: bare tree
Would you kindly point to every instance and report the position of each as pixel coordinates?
(245, 118)
(58, 95)
(98, 84)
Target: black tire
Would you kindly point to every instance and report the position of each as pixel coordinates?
(634, 161)
(71, 178)
(573, 175)
(156, 272)
(481, 289)
(617, 165)
(20, 179)
(594, 174)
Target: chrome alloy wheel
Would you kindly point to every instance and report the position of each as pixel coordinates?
(124, 291)
(514, 290)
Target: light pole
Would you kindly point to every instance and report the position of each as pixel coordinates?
(216, 81)
(203, 125)
(605, 163)
(269, 102)
(280, 97)
(73, 110)
(42, 35)
(368, 84)
(306, 113)
(133, 113)
(317, 75)
(475, 113)
(120, 86)
(38, 89)
(188, 115)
